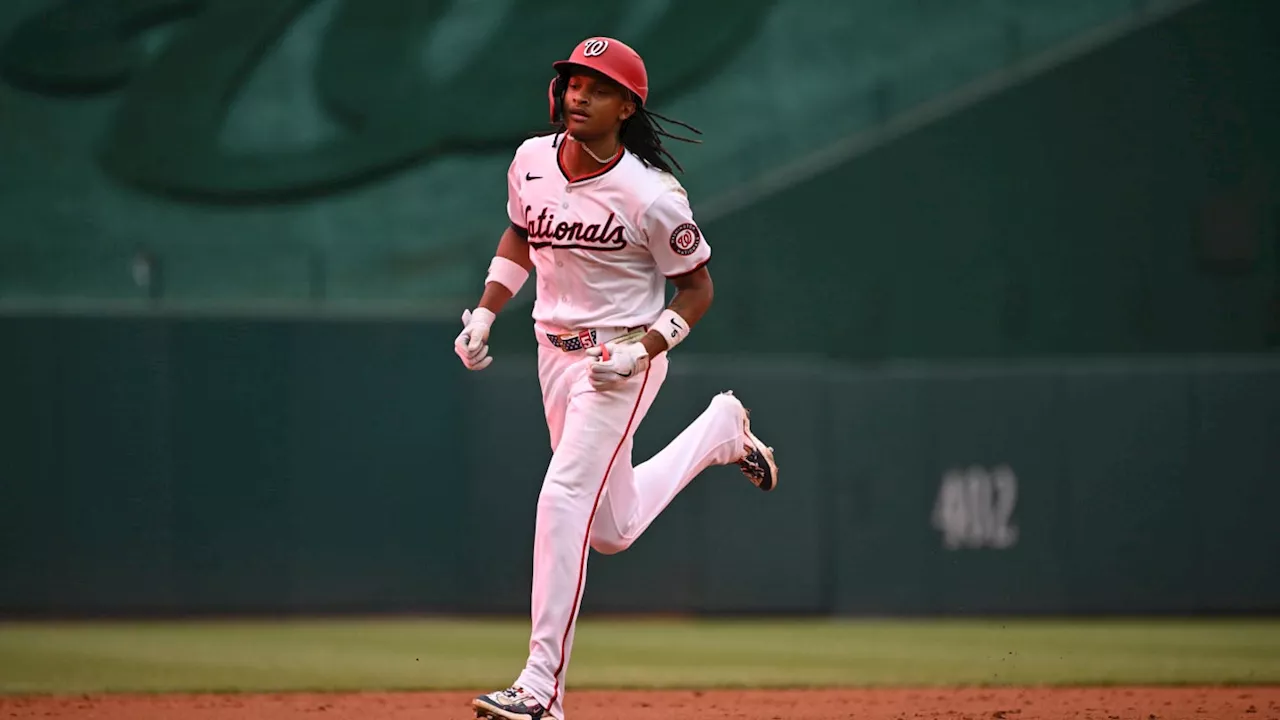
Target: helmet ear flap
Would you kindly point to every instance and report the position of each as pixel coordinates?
(555, 96)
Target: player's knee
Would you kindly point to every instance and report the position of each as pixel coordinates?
(609, 544)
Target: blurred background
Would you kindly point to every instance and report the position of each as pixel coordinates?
(999, 279)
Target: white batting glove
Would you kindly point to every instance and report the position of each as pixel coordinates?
(472, 344)
(612, 365)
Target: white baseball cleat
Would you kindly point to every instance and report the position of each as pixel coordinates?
(514, 703)
(758, 464)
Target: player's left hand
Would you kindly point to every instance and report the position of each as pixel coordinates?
(624, 361)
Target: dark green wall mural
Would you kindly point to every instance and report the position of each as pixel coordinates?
(165, 135)
(333, 155)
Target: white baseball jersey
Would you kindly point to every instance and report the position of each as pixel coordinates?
(604, 244)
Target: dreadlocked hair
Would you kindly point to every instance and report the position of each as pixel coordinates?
(642, 134)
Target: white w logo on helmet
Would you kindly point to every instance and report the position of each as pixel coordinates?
(595, 48)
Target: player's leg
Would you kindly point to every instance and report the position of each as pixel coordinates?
(557, 373)
(595, 438)
(635, 497)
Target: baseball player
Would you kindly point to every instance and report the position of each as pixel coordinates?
(595, 208)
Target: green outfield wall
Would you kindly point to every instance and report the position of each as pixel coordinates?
(212, 465)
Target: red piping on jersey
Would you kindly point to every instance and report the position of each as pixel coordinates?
(695, 269)
(594, 173)
(586, 539)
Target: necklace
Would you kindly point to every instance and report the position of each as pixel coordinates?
(595, 157)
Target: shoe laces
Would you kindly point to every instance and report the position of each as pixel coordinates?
(518, 694)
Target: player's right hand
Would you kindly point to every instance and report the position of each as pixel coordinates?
(472, 344)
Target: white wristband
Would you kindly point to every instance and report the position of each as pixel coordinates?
(674, 328)
(507, 273)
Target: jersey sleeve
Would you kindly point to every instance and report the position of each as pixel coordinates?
(515, 208)
(674, 239)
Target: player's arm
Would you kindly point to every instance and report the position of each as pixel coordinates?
(694, 293)
(507, 273)
(511, 262)
(681, 254)
(513, 249)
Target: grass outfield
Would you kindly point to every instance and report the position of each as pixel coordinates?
(413, 654)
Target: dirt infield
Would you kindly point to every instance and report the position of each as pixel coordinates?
(1248, 703)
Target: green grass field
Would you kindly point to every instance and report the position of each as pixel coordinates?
(453, 654)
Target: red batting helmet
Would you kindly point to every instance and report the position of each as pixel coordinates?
(612, 58)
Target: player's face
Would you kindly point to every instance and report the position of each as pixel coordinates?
(594, 106)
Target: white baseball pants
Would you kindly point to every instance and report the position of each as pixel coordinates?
(592, 496)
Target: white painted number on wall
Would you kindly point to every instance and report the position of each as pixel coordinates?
(975, 507)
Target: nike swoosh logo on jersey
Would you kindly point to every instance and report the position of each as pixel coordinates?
(528, 176)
